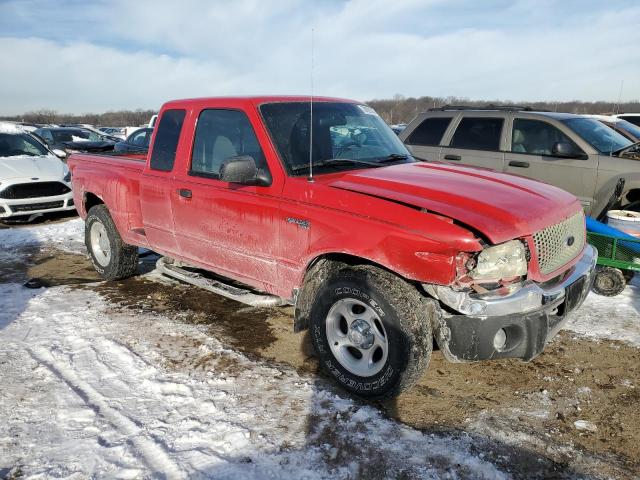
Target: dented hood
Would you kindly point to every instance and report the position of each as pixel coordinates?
(498, 205)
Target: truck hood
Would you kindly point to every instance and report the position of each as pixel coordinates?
(25, 166)
(499, 206)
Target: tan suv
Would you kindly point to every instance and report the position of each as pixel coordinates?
(575, 153)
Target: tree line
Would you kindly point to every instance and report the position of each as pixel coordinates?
(399, 109)
(120, 118)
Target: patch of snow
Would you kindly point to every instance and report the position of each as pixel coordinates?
(67, 236)
(10, 128)
(87, 391)
(585, 425)
(613, 318)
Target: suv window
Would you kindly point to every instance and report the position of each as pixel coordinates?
(222, 134)
(536, 137)
(166, 143)
(480, 133)
(429, 132)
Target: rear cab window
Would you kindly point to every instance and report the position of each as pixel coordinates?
(478, 133)
(429, 132)
(167, 136)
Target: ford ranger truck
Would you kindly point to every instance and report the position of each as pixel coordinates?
(322, 207)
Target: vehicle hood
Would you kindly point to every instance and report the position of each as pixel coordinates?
(25, 166)
(87, 146)
(499, 206)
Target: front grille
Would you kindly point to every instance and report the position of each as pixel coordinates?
(558, 244)
(34, 190)
(37, 206)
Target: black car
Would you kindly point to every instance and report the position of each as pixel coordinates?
(74, 139)
(137, 142)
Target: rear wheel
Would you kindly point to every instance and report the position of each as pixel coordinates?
(111, 257)
(609, 282)
(372, 331)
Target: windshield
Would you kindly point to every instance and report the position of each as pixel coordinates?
(598, 135)
(13, 145)
(628, 127)
(340, 131)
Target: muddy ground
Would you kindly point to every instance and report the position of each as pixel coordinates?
(574, 380)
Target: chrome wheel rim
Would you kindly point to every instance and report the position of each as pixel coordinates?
(100, 245)
(357, 337)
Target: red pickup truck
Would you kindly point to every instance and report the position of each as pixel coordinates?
(319, 205)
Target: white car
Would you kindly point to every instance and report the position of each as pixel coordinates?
(33, 179)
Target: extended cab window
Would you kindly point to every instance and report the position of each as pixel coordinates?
(536, 137)
(429, 132)
(166, 142)
(222, 134)
(479, 133)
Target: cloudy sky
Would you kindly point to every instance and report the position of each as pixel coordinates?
(91, 56)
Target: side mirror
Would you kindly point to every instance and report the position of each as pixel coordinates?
(242, 169)
(59, 153)
(566, 150)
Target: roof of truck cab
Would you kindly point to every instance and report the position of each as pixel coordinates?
(255, 100)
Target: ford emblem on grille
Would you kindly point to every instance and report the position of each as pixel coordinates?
(570, 240)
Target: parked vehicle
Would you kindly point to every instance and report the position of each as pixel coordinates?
(152, 121)
(624, 128)
(379, 253)
(73, 139)
(630, 117)
(398, 128)
(33, 179)
(577, 154)
(114, 132)
(138, 141)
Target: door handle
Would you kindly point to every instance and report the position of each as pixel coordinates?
(452, 157)
(516, 163)
(184, 192)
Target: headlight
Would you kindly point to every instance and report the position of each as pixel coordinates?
(506, 260)
(67, 177)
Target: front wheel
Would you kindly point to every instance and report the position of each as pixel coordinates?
(372, 331)
(609, 282)
(111, 257)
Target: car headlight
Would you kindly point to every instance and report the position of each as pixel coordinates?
(506, 260)
(67, 177)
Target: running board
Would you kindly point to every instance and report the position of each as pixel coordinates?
(173, 269)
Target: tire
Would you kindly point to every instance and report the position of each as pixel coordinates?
(609, 282)
(369, 312)
(111, 257)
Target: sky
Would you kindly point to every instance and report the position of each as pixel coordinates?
(81, 56)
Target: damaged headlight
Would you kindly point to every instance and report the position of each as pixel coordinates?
(506, 260)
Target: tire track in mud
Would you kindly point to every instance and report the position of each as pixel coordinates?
(152, 453)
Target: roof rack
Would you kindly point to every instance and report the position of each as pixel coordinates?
(505, 108)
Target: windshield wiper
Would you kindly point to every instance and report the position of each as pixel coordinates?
(337, 161)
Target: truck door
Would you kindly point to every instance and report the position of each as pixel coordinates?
(156, 184)
(532, 154)
(476, 141)
(230, 228)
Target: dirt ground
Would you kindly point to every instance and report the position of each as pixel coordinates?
(573, 380)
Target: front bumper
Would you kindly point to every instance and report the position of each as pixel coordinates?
(525, 319)
(30, 206)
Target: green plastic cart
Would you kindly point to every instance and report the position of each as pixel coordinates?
(618, 260)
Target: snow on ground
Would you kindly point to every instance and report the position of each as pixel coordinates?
(68, 236)
(89, 390)
(85, 393)
(614, 318)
